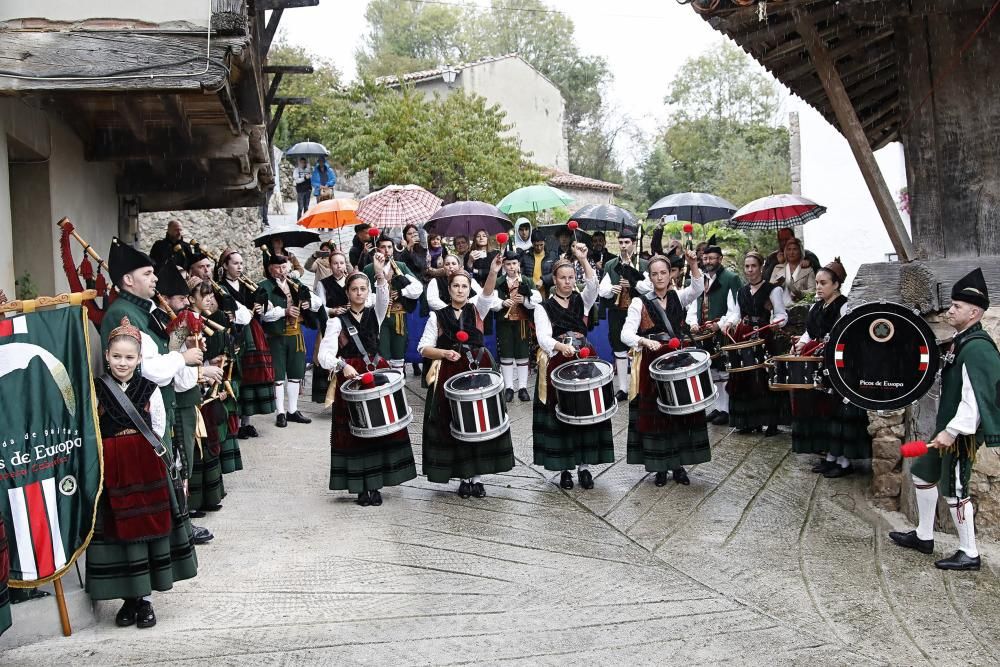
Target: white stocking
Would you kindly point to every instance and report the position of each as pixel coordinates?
(279, 396)
(507, 369)
(721, 397)
(477, 479)
(927, 497)
(963, 514)
(293, 395)
(583, 466)
(621, 367)
(398, 365)
(522, 373)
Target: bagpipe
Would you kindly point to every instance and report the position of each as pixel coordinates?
(633, 276)
(90, 279)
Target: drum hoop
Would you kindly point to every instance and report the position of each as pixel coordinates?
(797, 358)
(583, 385)
(681, 373)
(380, 431)
(462, 436)
(587, 419)
(745, 344)
(741, 369)
(357, 395)
(495, 388)
(779, 386)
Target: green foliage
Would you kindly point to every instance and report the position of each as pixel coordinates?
(311, 122)
(408, 36)
(25, 288)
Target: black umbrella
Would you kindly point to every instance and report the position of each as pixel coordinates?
(307, 149)
(549, 231)
(605, 218)
(293, 237)
(698, 207)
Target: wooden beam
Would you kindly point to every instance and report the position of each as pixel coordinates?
(278, 5)
(232, 109)
(287, 69)
(272, 124)
(854, 132)
(175, 109)
(851, 48)
(125, 107)
(272, 90)
(213, 144)
(293, 100)
(269, 31)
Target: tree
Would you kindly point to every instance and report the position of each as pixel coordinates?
(308, 122)
(409, 37)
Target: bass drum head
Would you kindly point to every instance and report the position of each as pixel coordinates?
(581, 374)
(470, 385)
(881, 356)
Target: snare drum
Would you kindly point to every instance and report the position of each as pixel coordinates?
(708, 341)
(683, 381)
(478, 411)
(746, 356)
(789, 372)
(378, 410)
(584, 391)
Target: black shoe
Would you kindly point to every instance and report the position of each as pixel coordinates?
(823, 466)
(621, 396)
(911, 541)
(126, 615)
(416, 370)
(681, 476)
(364, 499)
(299, 418)
(839, 471)
(960, 561)
(661, 479)
(711, 415)
(197, 514)
(144, 616)
(746, 431)
(566, 480)
(508, 395)
(586, 479)
(522, 395)
(213, 508)
(376, 498)
(201, 535)
(478, 490)
(242, 433)
(252, 431)
(281, 421)
(721, 419)
(771, 431)
(464, 490)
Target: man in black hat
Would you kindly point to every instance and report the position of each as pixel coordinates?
(718, 301)
(625, 278)
(361, 246)
(968, 416)
(172, 246)
(516, 298)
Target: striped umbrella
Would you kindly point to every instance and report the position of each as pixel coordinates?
(398, 206)
(775, 212)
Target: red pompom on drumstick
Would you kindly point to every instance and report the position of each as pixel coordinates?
(573, 224)
(368, 379)
(462, 337)
(373, 232)
(674, 343)
(913, 449)
(584, 352)
(502, 238)
(688, 228)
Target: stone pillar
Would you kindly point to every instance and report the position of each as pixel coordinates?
(887, 431)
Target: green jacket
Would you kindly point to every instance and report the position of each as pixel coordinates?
(726, 282)
(976, 352)
(140, 313)
(611, 270)
(277, 298)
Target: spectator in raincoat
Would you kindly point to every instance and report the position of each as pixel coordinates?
(322, 176)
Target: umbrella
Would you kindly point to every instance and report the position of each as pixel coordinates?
(605, 218)
(466, 217)
(533, 198)
(330, 214)
(775, 212)
(307, 149)
(699, 207)
(398, 206)
(293, 237)
(551, 230)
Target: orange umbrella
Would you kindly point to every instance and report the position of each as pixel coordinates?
(331, 214)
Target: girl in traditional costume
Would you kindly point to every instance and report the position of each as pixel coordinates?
(453, 340)
(142, 536)
(561, 331)
(349, 348)
(663, 443)
(821, 420)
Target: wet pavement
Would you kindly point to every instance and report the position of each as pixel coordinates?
(758, 561)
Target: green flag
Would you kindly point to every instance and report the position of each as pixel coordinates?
(50, 450)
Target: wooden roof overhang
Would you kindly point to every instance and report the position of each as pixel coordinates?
(185, 124)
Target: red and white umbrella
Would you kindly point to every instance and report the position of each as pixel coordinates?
(398, 206)
(775, 212)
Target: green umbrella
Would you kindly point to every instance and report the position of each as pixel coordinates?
(533, 198)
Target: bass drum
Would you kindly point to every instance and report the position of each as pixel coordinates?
(881, 356)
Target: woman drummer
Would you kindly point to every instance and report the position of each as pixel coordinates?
(362, 465)
(454, 338)
(663, 443)
(759, 303)
(437, 288)
(821, 420)
(560, 328)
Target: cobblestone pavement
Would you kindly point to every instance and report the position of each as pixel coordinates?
(758, 561)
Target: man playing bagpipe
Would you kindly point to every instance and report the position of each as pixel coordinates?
(624, 279)
(517, 298)
(968, 416)
(717, 302)
(288, 303)
(404, 293)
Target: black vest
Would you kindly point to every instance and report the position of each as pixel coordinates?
(753, 307)
(450, 324)
(566, 319)
(336, 296)
(674, 310)
(112, 418)
(368, 329)
(822, 317)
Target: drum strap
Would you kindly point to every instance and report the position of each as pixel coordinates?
(661, 314)
(479, 357)
(352, 331)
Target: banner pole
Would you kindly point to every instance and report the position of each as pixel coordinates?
(61, 604)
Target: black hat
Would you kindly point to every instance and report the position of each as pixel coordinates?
(627, 233)
(273, 259)
(170, 282)
(676, 262)
(124, 259)
(972, 289)
(712, 247)
(510, 255)
(537, 236)
(195, 257)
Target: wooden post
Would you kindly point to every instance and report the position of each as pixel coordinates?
(854, 132)
(61, 604)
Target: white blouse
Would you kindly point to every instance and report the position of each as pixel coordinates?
(778, 312)
(630, 330)
(434, 298)
(157, 413)
(533, 299)
(482, 302)
(330, 345)
(543, 327)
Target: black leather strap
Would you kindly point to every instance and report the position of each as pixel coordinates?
(352, 331)
(661, 313)
(138, 422)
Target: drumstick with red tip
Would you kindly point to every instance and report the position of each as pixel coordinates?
(573, 224)
(913, 449)
(502, 239)
(584, 352)
(462, 338)
(368, 379)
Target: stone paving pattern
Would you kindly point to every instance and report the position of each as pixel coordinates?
(758, 561)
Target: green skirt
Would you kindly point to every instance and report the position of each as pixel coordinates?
(445, 457)
(560, 446)
(230, 458)
(823, 423)
(205, 486)
(119, 570)
(257, 399)
(751, 402)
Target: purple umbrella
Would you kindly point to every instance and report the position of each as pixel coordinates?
(466, 217)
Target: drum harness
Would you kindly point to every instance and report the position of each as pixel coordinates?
(662, 315)
(352, 331)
